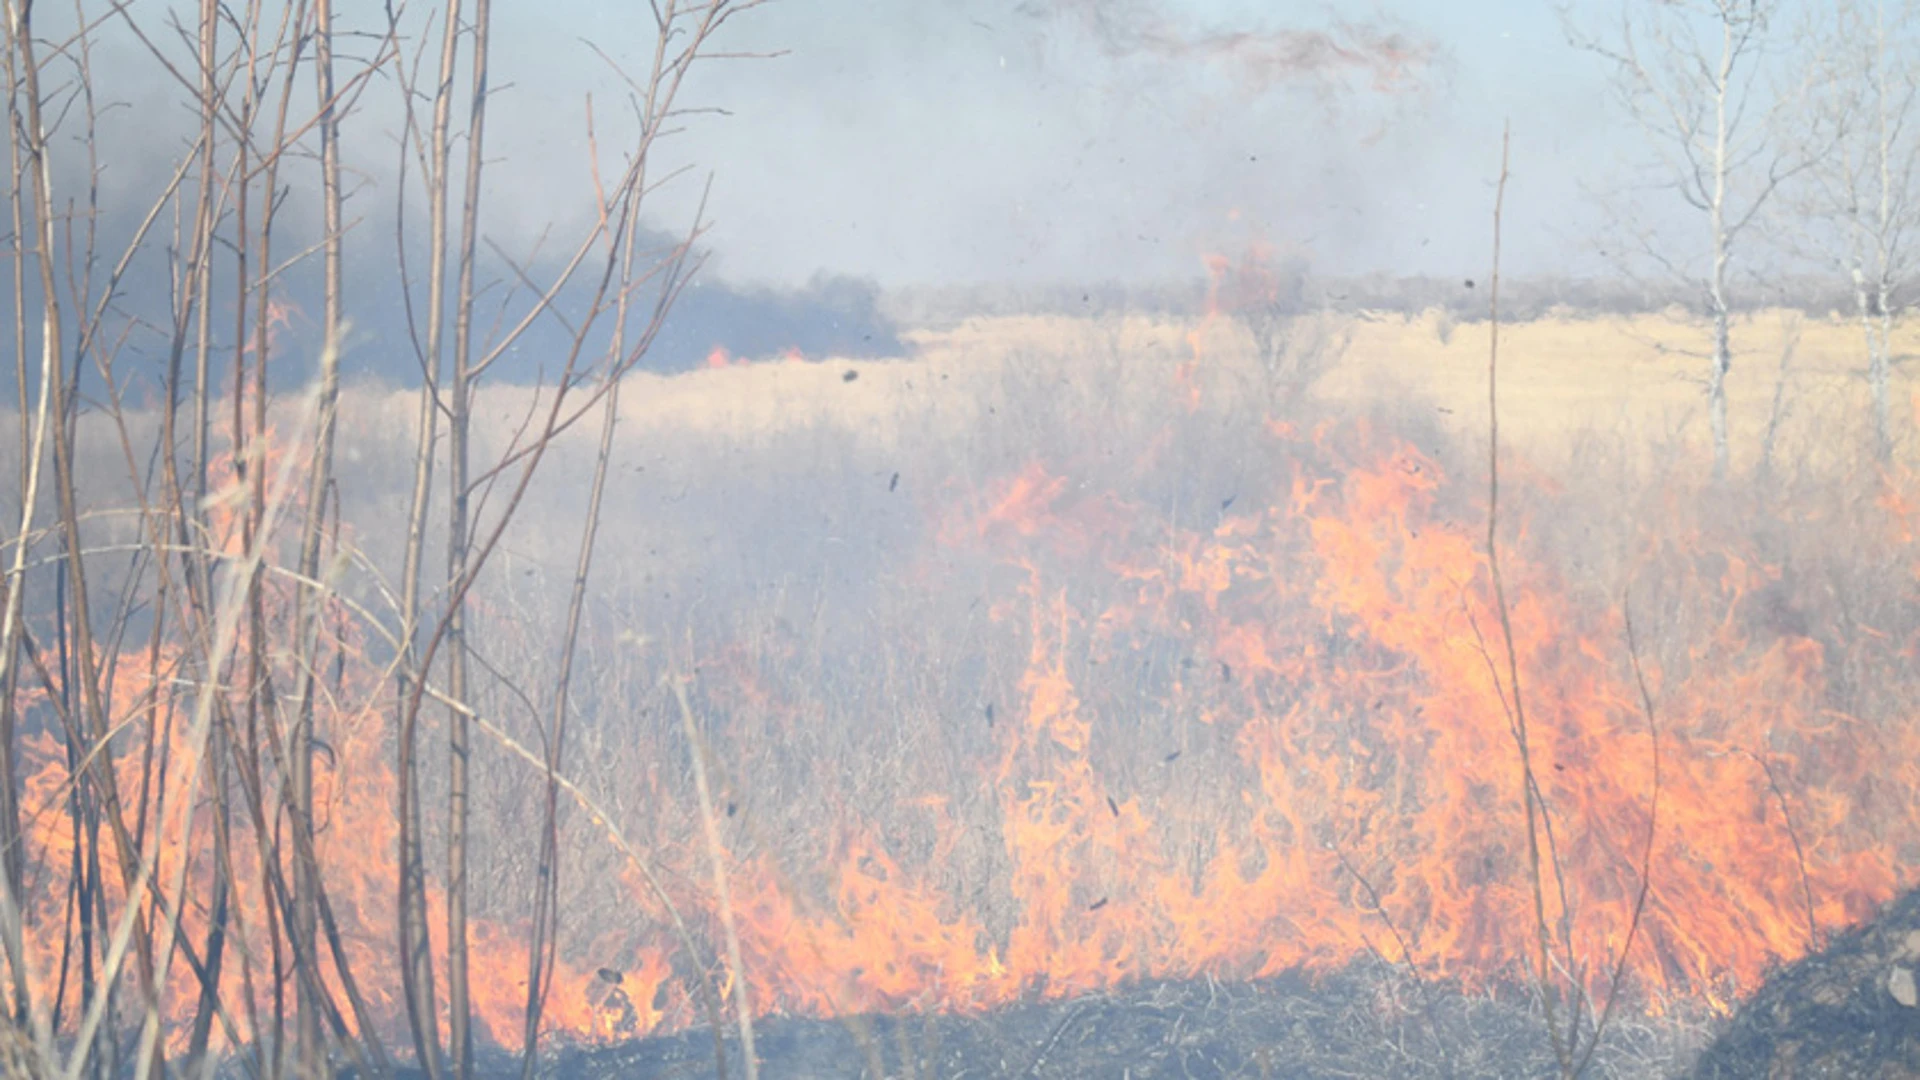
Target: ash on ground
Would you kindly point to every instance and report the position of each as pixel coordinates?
(1850, 1010)
(1367, 1021)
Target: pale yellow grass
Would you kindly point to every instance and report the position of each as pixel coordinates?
(1638, 381)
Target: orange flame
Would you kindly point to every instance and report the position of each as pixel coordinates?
(1329, 747)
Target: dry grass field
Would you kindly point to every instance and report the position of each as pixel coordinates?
(1638, 381)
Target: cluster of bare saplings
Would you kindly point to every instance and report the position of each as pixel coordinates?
(197, 926)
(185, 647)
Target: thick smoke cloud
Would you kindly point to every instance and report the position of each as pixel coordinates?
(830, 316)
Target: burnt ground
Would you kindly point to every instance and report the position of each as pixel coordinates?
(1850, 1010)
(1368, 1021)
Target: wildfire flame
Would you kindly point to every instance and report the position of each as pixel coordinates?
(1334, 752)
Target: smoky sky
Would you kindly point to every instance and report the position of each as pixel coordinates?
(1064, 140)
(971, 141)
(113, 167)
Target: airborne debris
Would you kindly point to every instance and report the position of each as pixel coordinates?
(1097, 904)
(1170, 758)
(1113, 806)
(849, 375)
(1226, 672)
(894, 482)
(608, 974)
(989, 714)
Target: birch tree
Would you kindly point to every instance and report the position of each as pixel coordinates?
(1857, 199)
(1697, 78)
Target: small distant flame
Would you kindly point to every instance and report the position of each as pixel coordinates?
(1186, 374)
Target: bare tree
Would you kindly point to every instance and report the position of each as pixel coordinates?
(1295, 340)
(1857, 201)
(606, 278)
(1576, 1020)
(1697, 78)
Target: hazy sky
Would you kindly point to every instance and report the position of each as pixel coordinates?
(995, 140)
(1019, 141)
